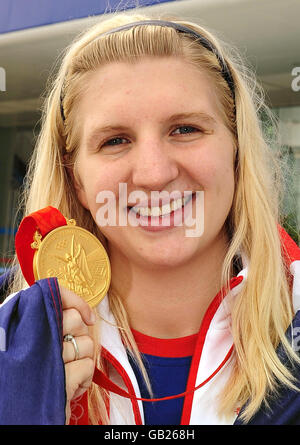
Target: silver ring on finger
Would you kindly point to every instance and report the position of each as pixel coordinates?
(69, 338)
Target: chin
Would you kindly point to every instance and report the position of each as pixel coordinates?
(167, 259)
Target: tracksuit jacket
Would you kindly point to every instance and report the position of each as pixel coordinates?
(32, 376)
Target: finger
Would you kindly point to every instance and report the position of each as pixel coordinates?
(79, 376)
(85, 346)
(73, 323)
(71, 300)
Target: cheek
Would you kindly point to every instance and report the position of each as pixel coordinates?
(100, 184)
(92, 175)
(216, 178)
(224, 181)
(215, 165)
(211, 174)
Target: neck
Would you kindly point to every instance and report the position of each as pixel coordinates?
(169, 302)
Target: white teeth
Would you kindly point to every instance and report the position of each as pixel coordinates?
(186, 199)
(161, 211)
(166, 208)
(154, 211)
(177, 204)
(144, 211)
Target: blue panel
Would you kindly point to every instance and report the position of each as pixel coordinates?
(22, 14)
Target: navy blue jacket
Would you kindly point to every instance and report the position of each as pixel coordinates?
(284, 407)
(32, 376)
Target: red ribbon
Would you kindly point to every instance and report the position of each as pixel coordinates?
(43, 221)
(102, 380)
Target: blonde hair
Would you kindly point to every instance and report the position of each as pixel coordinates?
(263, 309)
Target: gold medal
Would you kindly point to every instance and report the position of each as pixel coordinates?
(76, 258)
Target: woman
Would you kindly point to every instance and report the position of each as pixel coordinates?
(164, 107)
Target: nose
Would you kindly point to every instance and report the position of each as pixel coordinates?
(154, 166)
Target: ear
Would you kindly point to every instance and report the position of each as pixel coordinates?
(80, 192)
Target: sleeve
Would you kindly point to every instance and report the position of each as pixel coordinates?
(32, 375)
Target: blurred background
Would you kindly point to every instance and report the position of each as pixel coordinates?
(34, 32)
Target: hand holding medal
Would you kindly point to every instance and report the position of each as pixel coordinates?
(49, 245)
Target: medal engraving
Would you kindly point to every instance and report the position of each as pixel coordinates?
(77, 259)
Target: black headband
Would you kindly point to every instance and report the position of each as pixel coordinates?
(225, 71)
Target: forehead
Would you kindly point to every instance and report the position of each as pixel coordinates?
(152, 89)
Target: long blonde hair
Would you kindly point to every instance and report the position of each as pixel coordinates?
(263, 309)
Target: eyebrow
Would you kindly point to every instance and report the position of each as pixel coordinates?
(95, 133)
(198, 115)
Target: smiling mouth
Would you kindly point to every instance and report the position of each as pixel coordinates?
(163, 210)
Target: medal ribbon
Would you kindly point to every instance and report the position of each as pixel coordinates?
(102, 380)
(43, 221)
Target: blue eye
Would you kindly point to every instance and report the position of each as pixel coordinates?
(186, 129)
(114, 141)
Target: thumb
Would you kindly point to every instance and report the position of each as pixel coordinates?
(71, 300)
